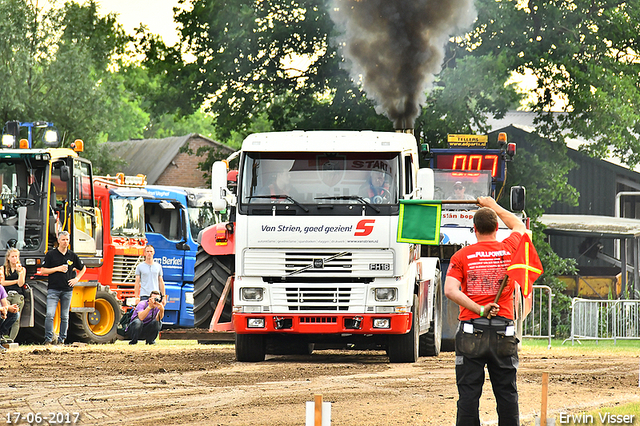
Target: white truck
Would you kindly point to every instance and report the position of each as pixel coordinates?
(311, 248)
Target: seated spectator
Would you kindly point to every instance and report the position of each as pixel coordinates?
(8, 314)
(15, 286)
(146, 320)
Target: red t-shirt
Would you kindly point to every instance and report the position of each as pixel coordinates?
(480, 268)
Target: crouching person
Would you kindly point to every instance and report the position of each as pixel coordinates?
(146, 320)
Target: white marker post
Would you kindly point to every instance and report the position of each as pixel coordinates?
(318, 413)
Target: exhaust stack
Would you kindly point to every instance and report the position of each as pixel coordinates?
(402, 125)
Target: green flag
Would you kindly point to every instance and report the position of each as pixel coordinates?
(419, 222)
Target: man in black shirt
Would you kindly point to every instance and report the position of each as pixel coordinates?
(60, 264)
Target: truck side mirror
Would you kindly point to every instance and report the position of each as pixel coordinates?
(64, 173)
(183, 245)
(517, 198)
(219, 185)
(426, 184)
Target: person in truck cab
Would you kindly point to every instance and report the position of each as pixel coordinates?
(459, 194)
(376, 190)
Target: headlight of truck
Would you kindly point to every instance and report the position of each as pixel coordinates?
(386, 294)
(255, 322)
(253, 294)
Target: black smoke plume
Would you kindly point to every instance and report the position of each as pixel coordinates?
(397, 46)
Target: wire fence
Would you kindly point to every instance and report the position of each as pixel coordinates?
(604, 320)
(537, 325)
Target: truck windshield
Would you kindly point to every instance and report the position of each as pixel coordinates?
(320, 178)
(127, 217)
(23, 199)
(455, 185)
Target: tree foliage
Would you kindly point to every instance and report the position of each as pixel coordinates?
(584, 52)
(54, 66)
(276, 58)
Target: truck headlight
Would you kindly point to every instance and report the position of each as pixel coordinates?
(255, 322)
(381, 323)
(386, 294)
(252, 293)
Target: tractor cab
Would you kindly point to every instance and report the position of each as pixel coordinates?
(45, 191)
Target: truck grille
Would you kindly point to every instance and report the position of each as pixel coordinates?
(313, 298)
(318, 263)
(124, 268)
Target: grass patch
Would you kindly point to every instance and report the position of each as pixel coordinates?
(605, 416)
(620, 346)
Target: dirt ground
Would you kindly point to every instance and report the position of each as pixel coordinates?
(173, 383)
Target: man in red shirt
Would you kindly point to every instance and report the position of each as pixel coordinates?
(486, 333)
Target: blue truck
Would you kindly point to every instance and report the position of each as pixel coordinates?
(174, 216)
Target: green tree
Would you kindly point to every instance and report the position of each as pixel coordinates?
(584, 52)
(248, 53)
(54, 66)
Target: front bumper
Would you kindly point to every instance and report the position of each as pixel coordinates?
(323, 324)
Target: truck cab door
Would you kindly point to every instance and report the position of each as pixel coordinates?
(85, 219)
(165, 231)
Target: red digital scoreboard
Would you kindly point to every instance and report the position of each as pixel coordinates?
(468, 160)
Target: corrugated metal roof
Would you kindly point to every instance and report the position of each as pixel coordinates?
(590, 225)
(152, 156)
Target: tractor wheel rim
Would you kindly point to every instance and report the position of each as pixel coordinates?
(106, 317)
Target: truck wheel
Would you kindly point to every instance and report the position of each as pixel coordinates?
(35, 334)
(99, 326)
(431, 341)
(250, 347)
(211, 273)
(404, 347)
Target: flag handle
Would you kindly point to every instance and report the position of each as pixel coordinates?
(459, 201)
(503, 284)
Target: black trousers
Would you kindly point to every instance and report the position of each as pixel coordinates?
(149, 332)
(495, 346)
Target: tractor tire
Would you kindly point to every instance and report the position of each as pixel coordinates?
(99, 326)
(431, 342)
(403, 348)
(35, 334)
(211, 273)
(250, 347)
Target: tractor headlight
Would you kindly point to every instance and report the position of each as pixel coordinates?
(385, 294)
(253, 294)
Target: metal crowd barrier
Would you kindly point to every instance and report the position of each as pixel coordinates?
(537, 324)
(604, 320)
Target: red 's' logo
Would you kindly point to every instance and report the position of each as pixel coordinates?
(364, 227)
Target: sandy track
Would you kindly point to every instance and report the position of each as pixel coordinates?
(202, 384)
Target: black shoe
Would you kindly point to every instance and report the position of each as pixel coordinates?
(133, 342)
(5, 341)
(151, 343)
(47, 343)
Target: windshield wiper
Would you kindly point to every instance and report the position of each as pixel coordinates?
(281, 197)
(349, 197)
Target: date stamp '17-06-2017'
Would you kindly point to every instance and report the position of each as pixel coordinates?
(49, 418)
